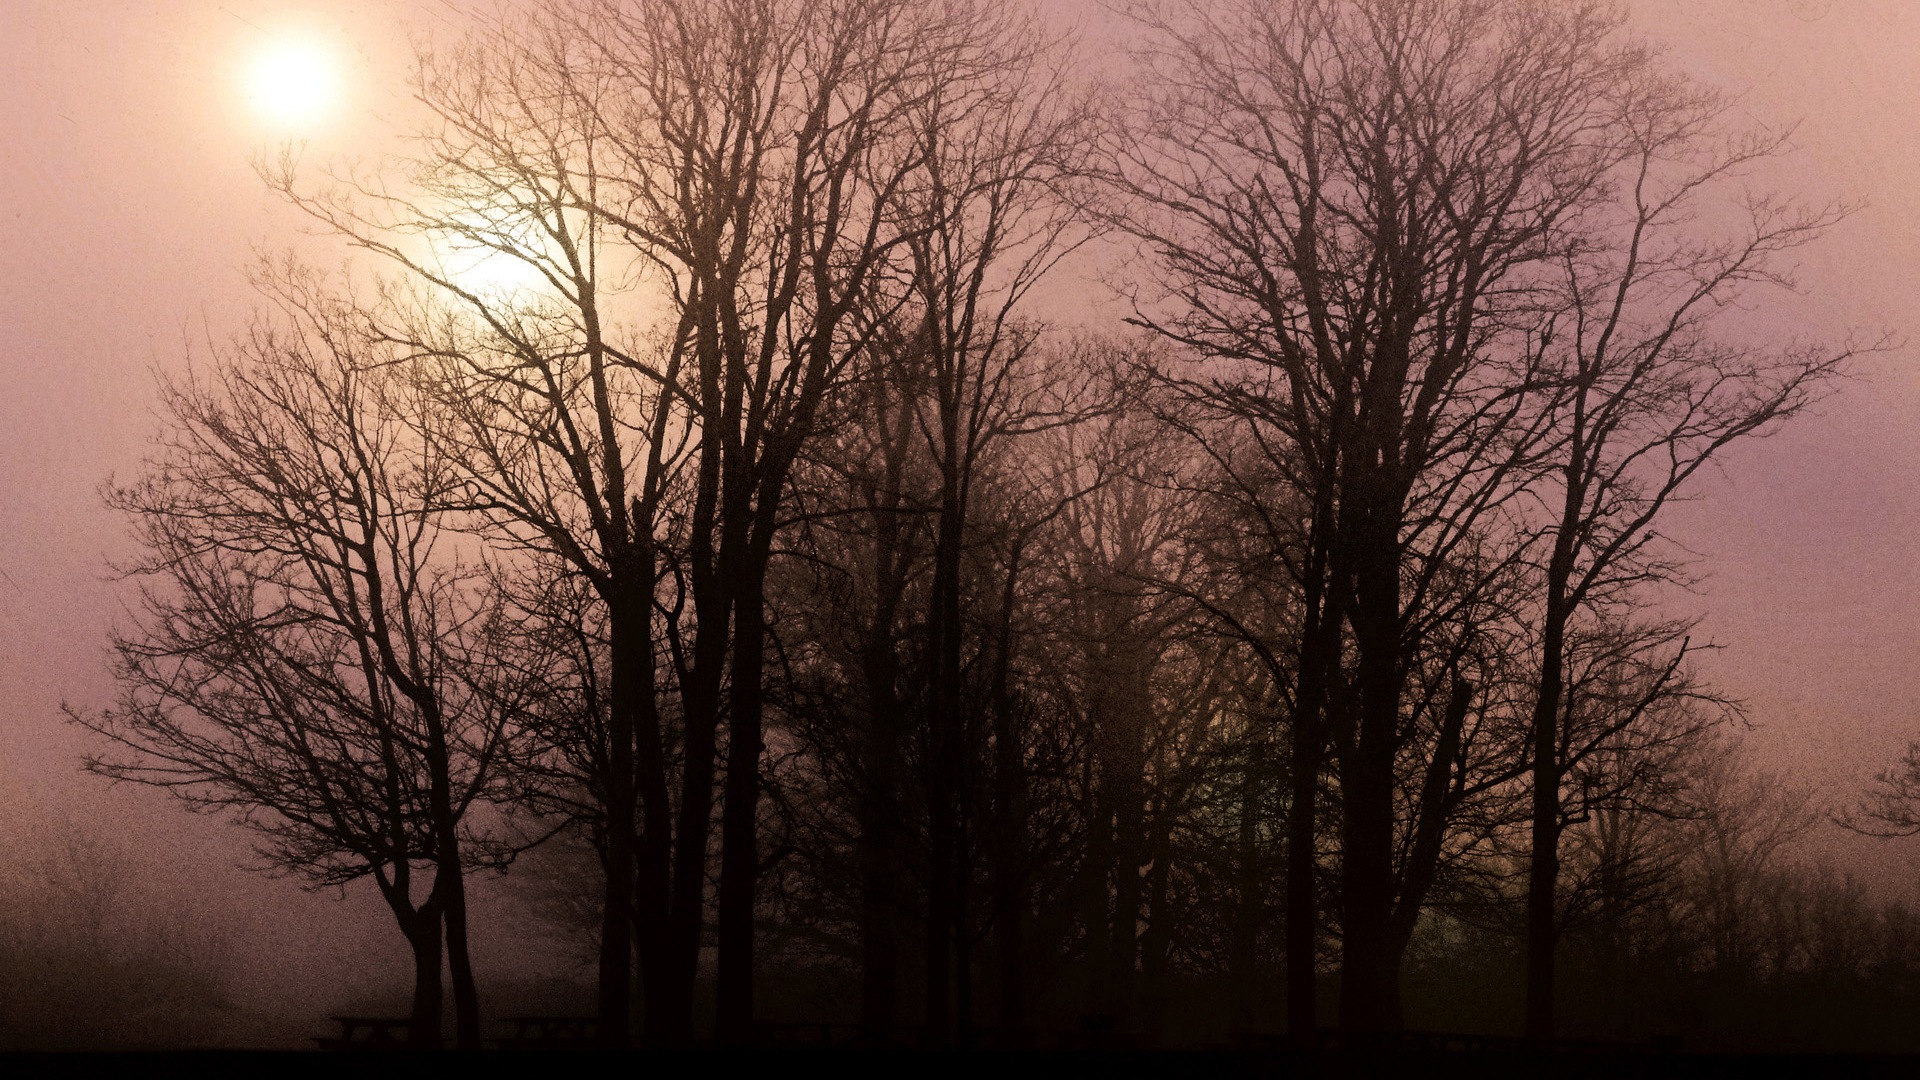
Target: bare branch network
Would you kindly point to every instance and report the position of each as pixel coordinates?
(683, 470)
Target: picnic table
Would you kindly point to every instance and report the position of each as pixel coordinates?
(551, 1032)
(808, 1033)
(369, 1033)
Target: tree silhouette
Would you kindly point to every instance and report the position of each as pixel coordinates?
(312, 654)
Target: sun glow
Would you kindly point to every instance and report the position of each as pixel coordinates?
(293, 82)
(495, 275)
(491, 254)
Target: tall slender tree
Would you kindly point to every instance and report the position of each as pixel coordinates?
(1003, 139)
(1648, 396)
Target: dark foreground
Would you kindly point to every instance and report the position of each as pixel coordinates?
(904, 1065)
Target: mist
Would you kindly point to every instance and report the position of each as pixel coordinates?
(987, 633)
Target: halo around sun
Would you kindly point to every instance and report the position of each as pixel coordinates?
(293, 82)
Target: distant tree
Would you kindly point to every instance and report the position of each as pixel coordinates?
(98, 952)
(852, 599)
(847, 594)
(1737, 857)
(1134, 681)
(1890, 808)
(312, 654)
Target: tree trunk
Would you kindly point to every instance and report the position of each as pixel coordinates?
(466, 995)
(1156, 942)
(1369, 977)
(1302, 897)
(449, 880)
(670, 1007)
(739, 825)
(1323, 596)
(880, 804)
(962, 919)
(1009, 826)
(1242, 956)
(1369, 990)
(945, 745)
(670, 1012)
(423, 934)
(1096, 893)
(614, 1004)
(882, 762)
(1129, 842)
(939, 926)
(1543, 867)
(653, 846)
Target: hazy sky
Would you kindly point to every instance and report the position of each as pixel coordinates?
(130, 213)
(1810, 538)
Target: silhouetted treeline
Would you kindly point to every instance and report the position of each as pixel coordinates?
(688, 471)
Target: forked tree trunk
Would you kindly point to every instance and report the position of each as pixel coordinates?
(450, 881)
(422, 931)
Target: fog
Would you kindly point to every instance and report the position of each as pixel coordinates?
(132, 214)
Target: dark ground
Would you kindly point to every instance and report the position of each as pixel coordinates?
(896, 1065)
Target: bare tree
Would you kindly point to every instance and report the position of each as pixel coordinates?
(1648, 396)
(762, 176)
(1120, 552)
(1351, 205)
(1003, 141)
(313, 654)
(1737, 847)
(851, 580)
(1891, 806)
(749, 162)
(566, 436)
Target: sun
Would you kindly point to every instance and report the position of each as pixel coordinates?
(293, 82)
